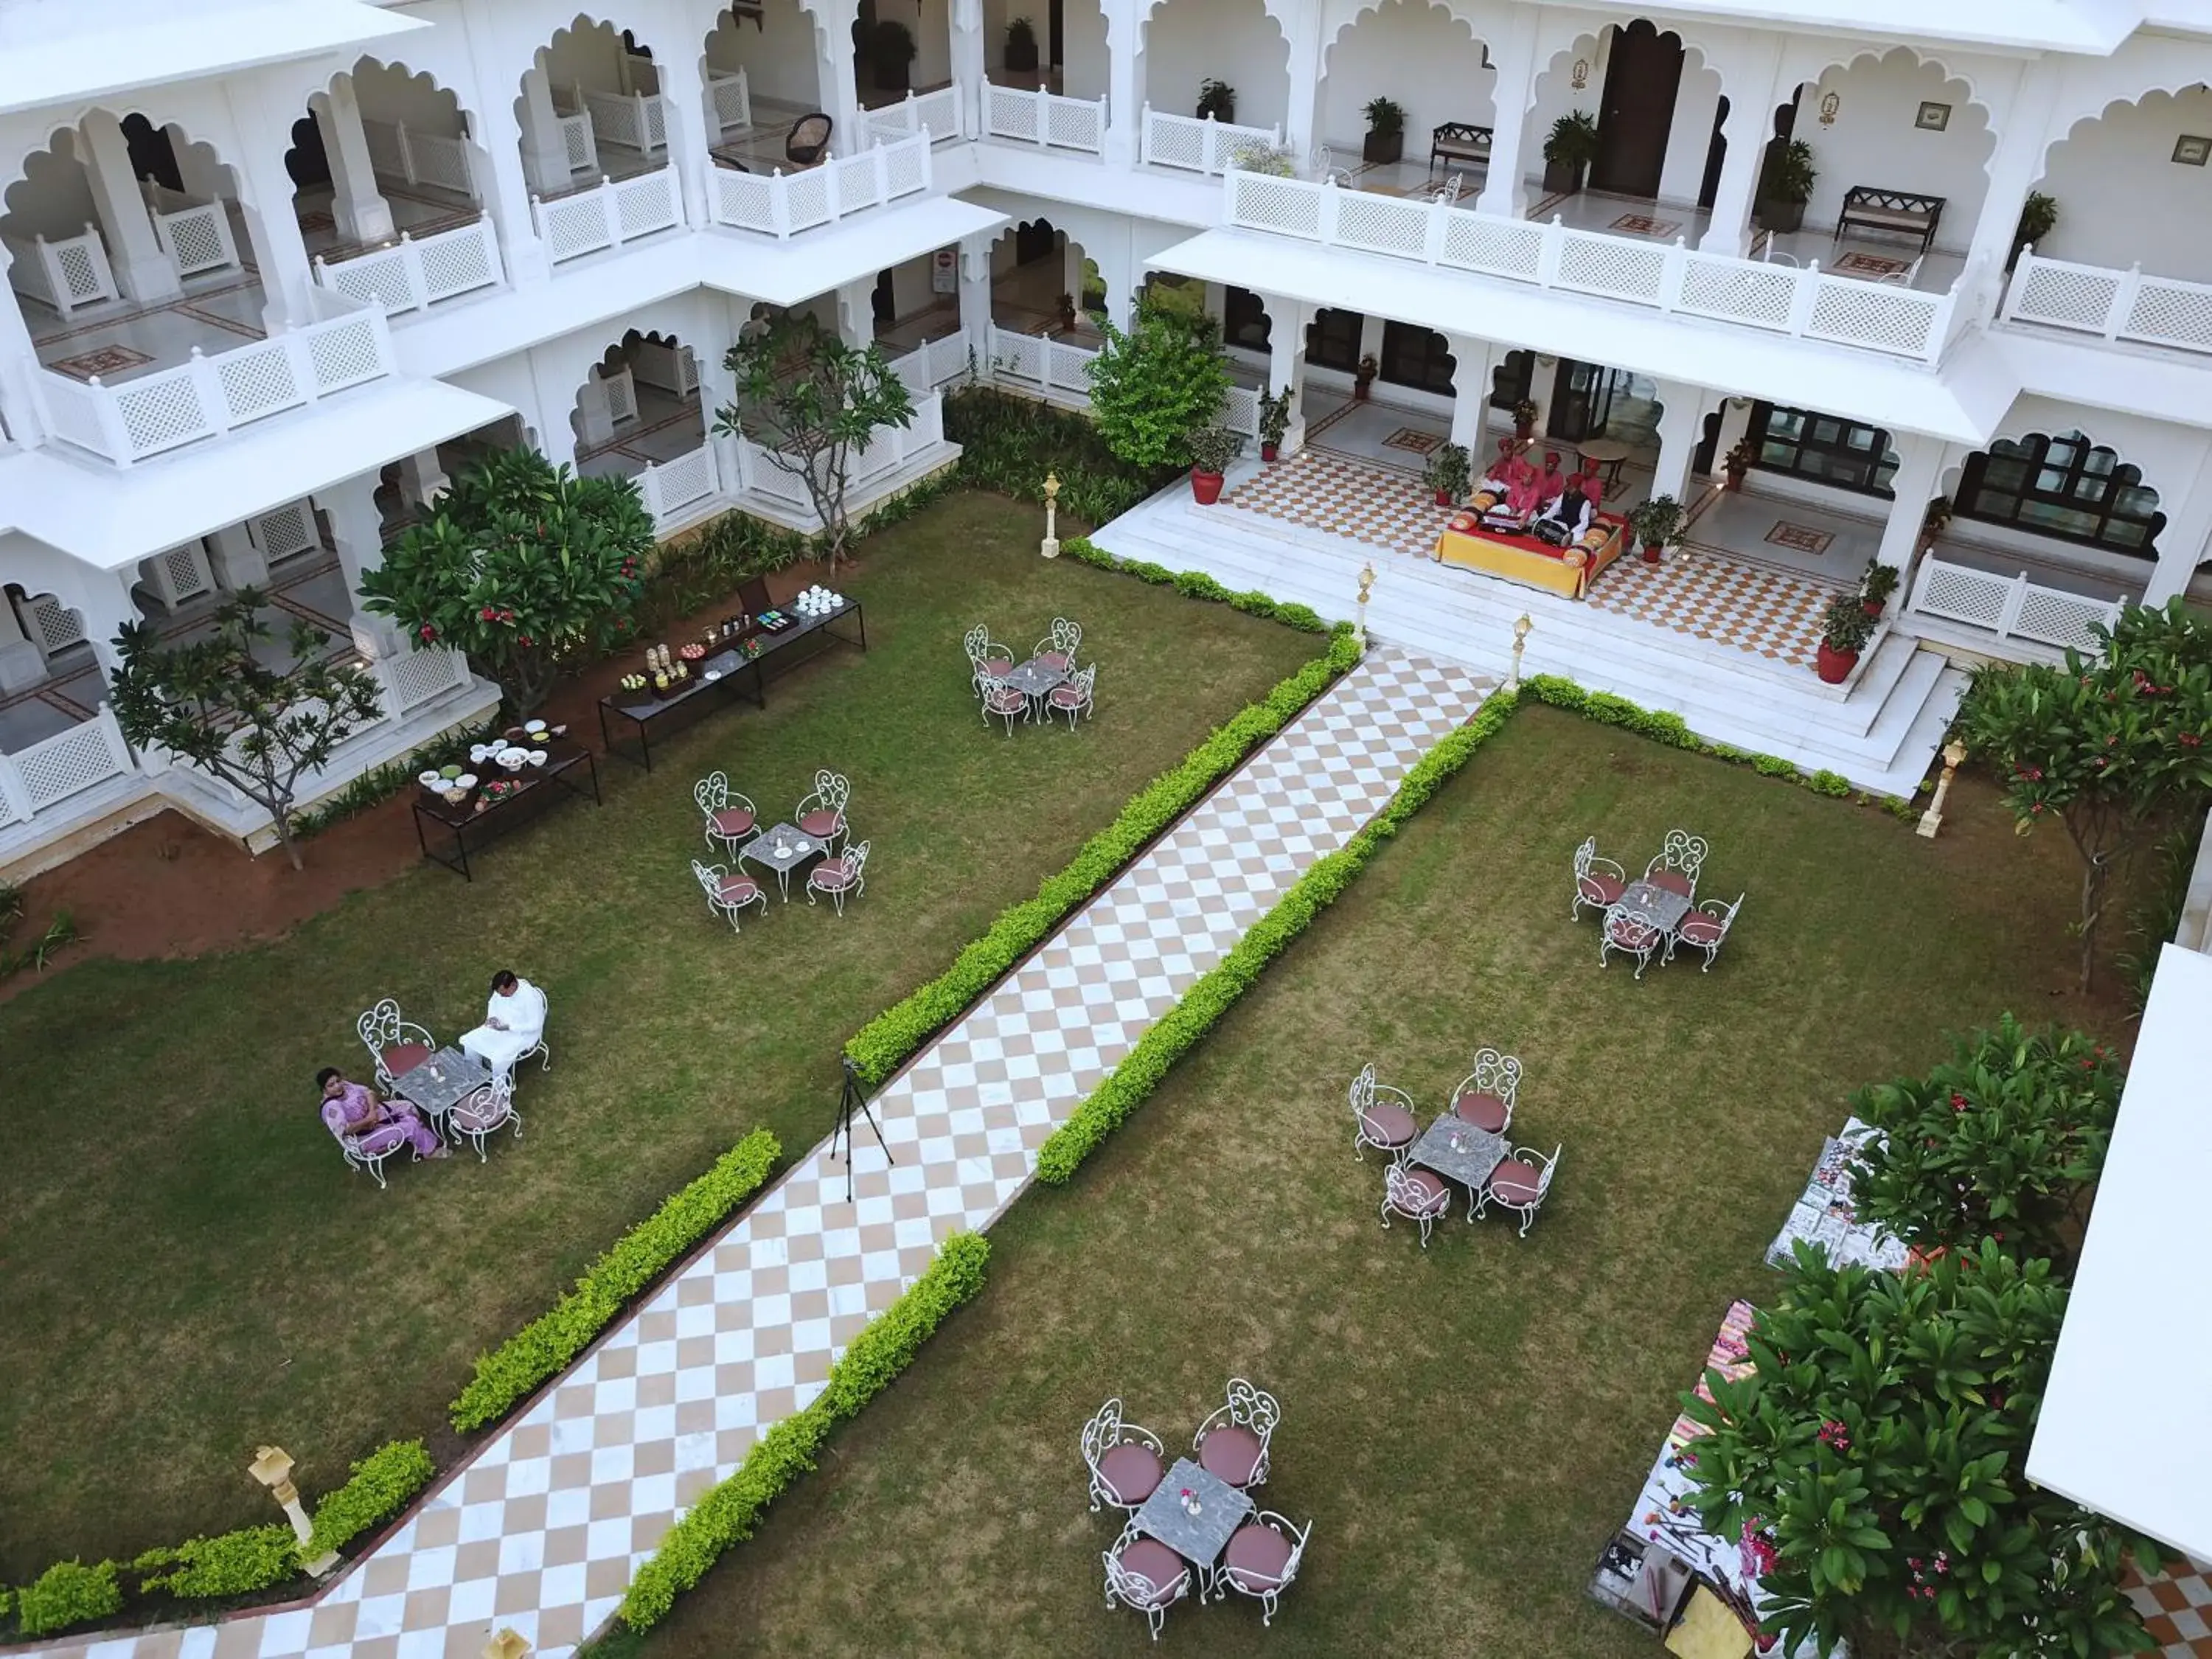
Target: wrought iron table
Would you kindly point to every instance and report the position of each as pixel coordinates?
(1454, 1148)
(441, 1083)
(781, 848)
(1663, 905)
(1200, 1538)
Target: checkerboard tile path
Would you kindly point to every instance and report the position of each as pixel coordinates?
(543, 1528)
(1701, 593)
(2177, 1610)
(1343, 498)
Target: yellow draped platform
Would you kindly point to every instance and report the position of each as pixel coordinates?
(1567, 571)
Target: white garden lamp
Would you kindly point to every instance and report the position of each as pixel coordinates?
(272, 1468)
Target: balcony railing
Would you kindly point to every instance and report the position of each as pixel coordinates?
(1062, 371)
(418, 272)
(33, 779)
(615, 211)
(1045, 119)
(729, 100)
(209, 396)
(932, 364)
(398, 151)
(782, 204)
(891, 448)
(634, 120)
(1807, 303)
(672, 486)
(938, 113)
(65, 275)
(415, 678)
(2113, 305)
(2011, 607)
(1200, 146)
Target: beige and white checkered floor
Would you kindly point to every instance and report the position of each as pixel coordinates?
(541, 1530)
(2177, 1610)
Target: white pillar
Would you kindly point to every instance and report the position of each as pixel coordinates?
(425, 475)
(1513, 52)
(718, 389)
(2181, 544)
(2024, 137)
(1919, 463)
(684, 96)
(1473, 362)
(1124, 30)
(362, 213)
(836, 74)
(104, 601)
(497, 173)
(1750, 123)
(1543, 380)
(1305, 84)
(967, 59)
(22, 658)
(357, 534)
(141, 270)
(975, 300)
(544, 156)
(19, 363)
(556, 431)
(1736, 421)
(1689, 139)
(1286, 363)
(265, 193)
(1681, 409)
(236, 562)
(856, 313)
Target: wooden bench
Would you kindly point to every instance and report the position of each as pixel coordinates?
(1457, 141)
(1901, 212)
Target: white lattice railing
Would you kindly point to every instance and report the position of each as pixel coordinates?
(420, 271)
(578, 144)
(54, 623)
(414, 678)
(196, 236)
(938, 113)
(781, 204)
(2114, 304)
(1199, 146)
(729, 100)
(1045, 119)
(2011, 607)
(209, 396)
(932, 364)
(284, 530)
(670, 487)
(635, 120)
(1885, 317)
(398, 151)
(612, 212)
(1049, 365)
(65, 275)
(62, 765)
(891, 448)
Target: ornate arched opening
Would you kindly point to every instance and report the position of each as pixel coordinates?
(381, 151)
(1236, 43)
(638, 406)
(1658, 105)
(590, 108)
(1423, 58)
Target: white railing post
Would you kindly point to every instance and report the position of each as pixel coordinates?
(2018, 285)
(1548, 252)
(406, 153)
(1325, 221)
(2015, 596)
(109, 414)
(410, 267)
(832, 197)
(779, 205)
(1674, 265)
(15, 793)
(118, 746)
(1043, 115)
(302, 362)
(1432, 233)
(207, 386)
(1804, 297)
(2123, 300)
(883, 161)
(610, 214)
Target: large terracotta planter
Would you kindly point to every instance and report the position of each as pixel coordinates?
(1443, 498)
(1207, 486)
(1834, 667)
(1872, 607)
(1651, 551)
(1267, 451)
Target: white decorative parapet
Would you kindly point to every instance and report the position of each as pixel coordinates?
(635, 120)
(1045, 118)
(891, 448)
(932, 364)
(209, 396)
(781, 204)
(729, 100)
(670, 487)
(415, 678)
(1199, 146)
(1808, 303)
(58, 767)
(398, 151)
(419, 271)
(938, 113)
(2113, 305)
(2011, 607)
(613, 212)
(63, 275)
(1062, 371)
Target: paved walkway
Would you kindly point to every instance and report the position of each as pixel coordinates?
(543, 1528)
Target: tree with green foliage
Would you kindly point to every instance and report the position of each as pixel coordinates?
(811, 402)
(1873, 1464)
(214, 701)
(2002, 1141)
(522, 565)
(1156, 383)
(2112, 746)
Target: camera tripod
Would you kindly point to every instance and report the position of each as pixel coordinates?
(851, 1101)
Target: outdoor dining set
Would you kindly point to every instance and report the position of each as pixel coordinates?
(1464, 1146)
(813, 836)
(462, 1096)
(1193, 1522)
(1658, 910)
(1049, 682)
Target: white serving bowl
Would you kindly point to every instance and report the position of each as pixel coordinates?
(514, 759)
(538, 757)
(466, 780)
(431, 779)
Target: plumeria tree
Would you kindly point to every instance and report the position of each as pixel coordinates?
(1154, 384)
(1873, 1465)
(2108, 746)
(522, 566)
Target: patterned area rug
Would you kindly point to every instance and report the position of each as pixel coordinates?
(100, 359)
(1638, 224)
(316, 220)
(2177, 1610)
(1870, 264)
(1802, 536)
(1413, 439)
(1701, 593)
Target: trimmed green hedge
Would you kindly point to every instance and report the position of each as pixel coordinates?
(727, 1513)
(380, 1486)
(228, 1564)
(68, 1593)
(541, 1349)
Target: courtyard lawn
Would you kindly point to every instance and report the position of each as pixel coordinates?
(1465, 1427)
(188, 1268)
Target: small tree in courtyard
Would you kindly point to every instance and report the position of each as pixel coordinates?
(522, 566)
(811, 401)
(1153, 386)
(2108, 747)
(214, 701)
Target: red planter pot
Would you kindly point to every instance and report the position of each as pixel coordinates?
(1207, 486)
(1834, 667)
(1651, 552)
(1443, 498)
(1266, 451)
(1359, 390)
(1872, 607)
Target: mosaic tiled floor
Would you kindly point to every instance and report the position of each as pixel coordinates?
(543, 1529)
(1412, 439)
(1343, 498)
(1870, 264)
(2177, 1609)
(1805, 537)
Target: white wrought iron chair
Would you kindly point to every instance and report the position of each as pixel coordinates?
(1144, 1574)
(1629, 929)
(986, 658)
(1706, 926)
(1420, 1196)
(1326, 172)
(1382, 1117)
(1599, 882)
(1073, 697)
(1486, 1094)
(1002, 702)
(1057, 650)
(478, 1117)
(1904, 278)
(1448, 192)
(731, 817)
(728, 894)
(1261, 1558)
(822, 814)
(368, 1149)
(1675, 868)
(1520, 1184)
(395, 1046)
(1126, 1461)
(842, 877)
(1232, 1442)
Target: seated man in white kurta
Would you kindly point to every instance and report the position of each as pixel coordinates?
(514, 1020)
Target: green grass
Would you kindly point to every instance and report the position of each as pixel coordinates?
(187, 1268)
(1465, 1426)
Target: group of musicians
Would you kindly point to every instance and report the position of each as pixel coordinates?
(1516, 498)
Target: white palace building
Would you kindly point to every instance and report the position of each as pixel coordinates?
(278, 268)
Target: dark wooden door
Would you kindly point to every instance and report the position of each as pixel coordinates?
(1582, 400)
(1637, 111)
(1055, 22)
(1715, 158)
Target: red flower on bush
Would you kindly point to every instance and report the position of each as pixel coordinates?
(429, 632)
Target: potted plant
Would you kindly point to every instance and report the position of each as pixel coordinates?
(1021, 46)
(1448, 471)
(1656, 523)
(2039, 216)
(894, 51)
(1524, 418)
(1844, 630)
(1737, 462)
(1212, 448)
(1216, 99)
(1933, 522)
(1386, 132)
(1785, 185)
(1275, 422)
(1876, 584)
(1258, 155)
(1067, 313)
(1571, 147)
(1363, 378)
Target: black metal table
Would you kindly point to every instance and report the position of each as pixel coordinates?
(472, 829)
(731, 669)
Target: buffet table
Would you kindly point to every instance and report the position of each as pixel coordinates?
(1567, 571)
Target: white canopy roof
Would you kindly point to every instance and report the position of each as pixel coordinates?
(2124, 1420)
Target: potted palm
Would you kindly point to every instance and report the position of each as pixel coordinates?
(1737, 462)
(894, 49)
(1212, 449)
(1655, 523)
(1216, 99)
(1067, 313)
(1933, 522)
(1021, 46)
(1275, 422)
(1844, 630)
(1571, 147)
(1363, 378)
(1386, 132)
(1878, 582)
(1448, 471)
(1785, 185)
(1524, 418)
(2038, 217)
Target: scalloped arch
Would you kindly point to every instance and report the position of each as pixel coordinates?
(1364, 7)
(1691, 49)
(1921, 60)
(1949, 480)
(2184, 79)
(1278, 12)
(75, 122)
(401, 67)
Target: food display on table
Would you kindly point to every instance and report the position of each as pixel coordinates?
(691, 653)
(817, 602)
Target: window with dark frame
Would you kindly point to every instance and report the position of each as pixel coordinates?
(1244, 319)
(1416, 356)
(1803, 443)
(2064, 487)
(1511, 381)
(1333, 340)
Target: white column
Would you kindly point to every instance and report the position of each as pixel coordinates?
(1689, 139)
(1473, 362)
(141, 270)
(1681, 408)
(1750, 123)
(236, 562)
(104, 601)
(1736, 421)
(357, 533)
(19, 363)
(1543, 380)
(1513, 53)
(2024, 136)
(22, 660)
(1919, 463)
(975, 300)
(835, 76)
(1305, 84)
(856, 313)
(362, 213)
(967, 59)
(2181, 544)
(424, 475)
(496, 173)
(556, 432)
(718, 389)
(684, 97)
(2176, 567)
(264, 133)
(1286, 363)
(1124, 28)
(544, 156)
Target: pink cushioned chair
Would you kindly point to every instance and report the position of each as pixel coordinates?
(1262, 1560)
(1144, 1574)
(728, 894)
(1598, 882)
(1707, 926)
(731, 818)
(1485, 1097)
(842, 878)
(1382, 1117)
(1232, 1442)
(1629, 929)
(1073, 697)
(396, 1046)
(822, 814)
(1420, 1195)
(1126, 1461)
(1681, 857)
(1520, 1184)
(478, 1117)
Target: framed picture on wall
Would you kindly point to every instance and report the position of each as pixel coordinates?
(1933, 118)
(2191, 150)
